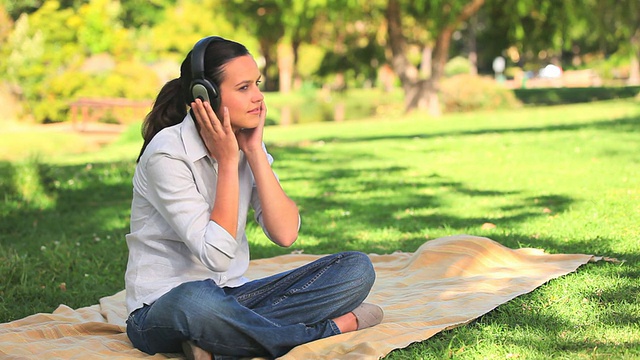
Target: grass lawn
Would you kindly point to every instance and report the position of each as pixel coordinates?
(565, 179)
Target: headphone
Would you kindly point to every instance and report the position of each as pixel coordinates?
(200, 87)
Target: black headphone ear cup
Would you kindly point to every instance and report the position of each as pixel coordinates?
(206, 91)
(199, 90)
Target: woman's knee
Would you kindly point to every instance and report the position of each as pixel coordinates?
(360, 268)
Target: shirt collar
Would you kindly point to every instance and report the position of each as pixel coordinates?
(193, 144)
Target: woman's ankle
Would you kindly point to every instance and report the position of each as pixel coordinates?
(347, 322)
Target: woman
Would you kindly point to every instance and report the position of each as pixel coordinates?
(197, 174)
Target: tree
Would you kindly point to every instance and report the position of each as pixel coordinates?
(440, 18)
(263, 19)
(353, 36)
(618, 22)
(298, 20)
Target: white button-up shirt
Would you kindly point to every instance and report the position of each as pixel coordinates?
(172, 238)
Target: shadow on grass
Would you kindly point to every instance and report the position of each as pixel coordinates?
(401, 209)
(61, 234)
(621, 125)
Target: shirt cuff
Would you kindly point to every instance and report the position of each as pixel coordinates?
(220, 239)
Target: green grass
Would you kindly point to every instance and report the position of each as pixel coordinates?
(564, 179)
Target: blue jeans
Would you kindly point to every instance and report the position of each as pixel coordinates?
(265, 317)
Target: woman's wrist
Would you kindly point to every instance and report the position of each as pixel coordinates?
(254, 154)
(228, 162)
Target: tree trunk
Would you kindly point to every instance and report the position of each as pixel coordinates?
(285, 66)
(413, 88)
(634, 71)
(472, 44)
(297, 80)
(397, 43)
(425, 61)
(440, 57)
(266, 49)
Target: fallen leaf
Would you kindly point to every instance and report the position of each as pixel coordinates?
(488, 225)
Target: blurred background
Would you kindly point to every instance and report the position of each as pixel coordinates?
(103, 61)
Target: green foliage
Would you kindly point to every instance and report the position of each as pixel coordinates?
(613, 68)
(139, 13)
(466, 92)
(557, 96)
(15, 8)
(100, 25)
(23, 53)
(178, 30)
(359, 63)
(309, 59)
(132, 80)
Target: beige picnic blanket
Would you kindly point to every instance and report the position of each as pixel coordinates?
(447, 282)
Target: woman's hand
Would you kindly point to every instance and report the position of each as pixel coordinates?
(250, 140)
(218, 136)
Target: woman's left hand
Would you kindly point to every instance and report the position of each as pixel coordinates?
(250, 140)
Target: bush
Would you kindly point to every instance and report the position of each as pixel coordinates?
(458, 65)
(466, 92)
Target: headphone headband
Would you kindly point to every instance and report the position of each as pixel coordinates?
(197, 56)
(200, 86)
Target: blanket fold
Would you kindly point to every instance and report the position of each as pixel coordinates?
(446, 283)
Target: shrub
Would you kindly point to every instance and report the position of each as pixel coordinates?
(458, 65)
(466, 92)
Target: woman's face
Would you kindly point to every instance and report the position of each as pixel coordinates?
(240, 93)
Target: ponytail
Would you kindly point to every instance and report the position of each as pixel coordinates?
(168, 109)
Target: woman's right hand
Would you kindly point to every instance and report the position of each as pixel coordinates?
(218, 136)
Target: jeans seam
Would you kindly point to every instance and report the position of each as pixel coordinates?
(310, 282)
(334, 327)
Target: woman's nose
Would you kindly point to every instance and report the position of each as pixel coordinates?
(258, 96)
